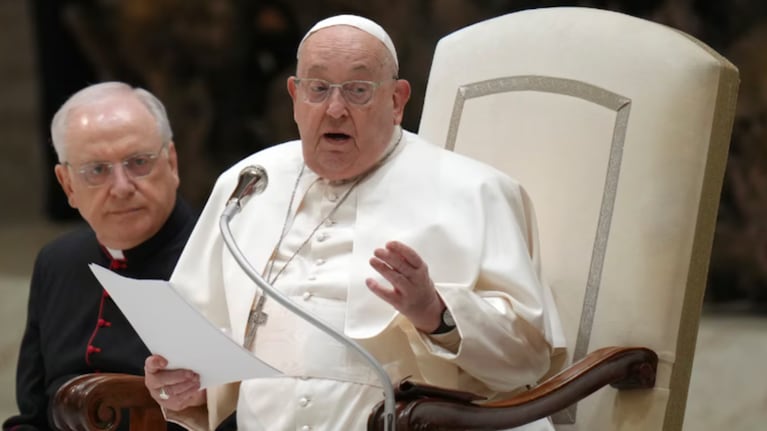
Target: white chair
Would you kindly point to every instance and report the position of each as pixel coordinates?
(619, 129)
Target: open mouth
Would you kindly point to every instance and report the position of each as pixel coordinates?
(336, 136)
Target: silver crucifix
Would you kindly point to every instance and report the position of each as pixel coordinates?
(256, 318)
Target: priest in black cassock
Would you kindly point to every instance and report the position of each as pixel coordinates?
(117, 166)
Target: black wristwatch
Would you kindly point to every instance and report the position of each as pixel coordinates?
(446, 323)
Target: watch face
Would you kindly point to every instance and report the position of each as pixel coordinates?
(447, 318)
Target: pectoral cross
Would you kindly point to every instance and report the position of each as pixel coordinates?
(256, 318)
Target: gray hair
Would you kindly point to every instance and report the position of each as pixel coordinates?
(101, 91)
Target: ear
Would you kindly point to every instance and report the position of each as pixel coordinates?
(400, 97)
(62, 175)
(292, 90)
(173, 161)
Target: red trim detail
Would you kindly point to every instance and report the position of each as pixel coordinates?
(90, 348)
(101, 322)
(118, 264)
(114, 263)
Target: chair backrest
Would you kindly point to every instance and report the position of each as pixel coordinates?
(619, 129)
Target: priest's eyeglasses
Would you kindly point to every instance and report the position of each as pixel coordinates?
(136, 166)
(354, 92)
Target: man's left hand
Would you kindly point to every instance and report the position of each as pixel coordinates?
(412, 293)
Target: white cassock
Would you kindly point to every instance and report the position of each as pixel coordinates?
(471, 224)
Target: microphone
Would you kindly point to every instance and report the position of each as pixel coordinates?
(253, 180)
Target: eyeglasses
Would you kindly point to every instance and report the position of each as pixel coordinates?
(136, 166)
(355, 92)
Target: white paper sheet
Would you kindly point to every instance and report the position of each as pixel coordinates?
(173, 328)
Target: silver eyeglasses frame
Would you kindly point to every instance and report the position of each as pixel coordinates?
(355, 92)
(96, 174)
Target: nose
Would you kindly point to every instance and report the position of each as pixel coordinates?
(337, 107)
(122, 183)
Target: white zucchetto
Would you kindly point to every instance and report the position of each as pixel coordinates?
(359, 22)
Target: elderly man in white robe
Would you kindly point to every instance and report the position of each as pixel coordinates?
(426, 258)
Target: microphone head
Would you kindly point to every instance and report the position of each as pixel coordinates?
(252, 180)
(255, 177)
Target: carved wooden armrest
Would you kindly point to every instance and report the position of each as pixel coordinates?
(621, 367)
(94, 402)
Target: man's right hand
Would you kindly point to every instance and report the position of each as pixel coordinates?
(172, 389)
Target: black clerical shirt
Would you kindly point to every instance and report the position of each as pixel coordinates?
(73, 326)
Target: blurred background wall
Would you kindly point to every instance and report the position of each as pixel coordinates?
(220, 67)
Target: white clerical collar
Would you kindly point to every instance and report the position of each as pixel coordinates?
(116, 254)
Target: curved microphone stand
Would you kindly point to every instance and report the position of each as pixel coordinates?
(232, 208)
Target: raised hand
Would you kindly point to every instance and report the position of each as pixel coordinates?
(412, 292)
